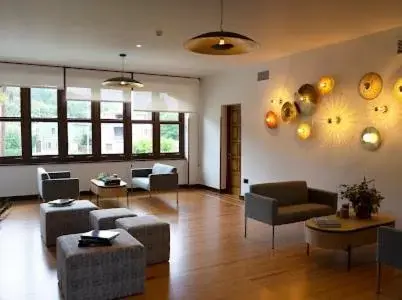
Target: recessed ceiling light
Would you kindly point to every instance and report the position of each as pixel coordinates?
(138, 45)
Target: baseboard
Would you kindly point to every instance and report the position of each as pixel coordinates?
(205, 187)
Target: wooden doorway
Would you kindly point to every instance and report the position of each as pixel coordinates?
(233, 174)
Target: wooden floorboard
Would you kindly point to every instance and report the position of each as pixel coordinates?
(210, 259)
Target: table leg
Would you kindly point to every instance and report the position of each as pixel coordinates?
(349, 250)
(308, 249)
(97, 200)
(127, 198)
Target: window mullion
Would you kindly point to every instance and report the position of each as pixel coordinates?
(127, 130)
(156, 135)
(62, 123)
(26, 131)
(96, 129)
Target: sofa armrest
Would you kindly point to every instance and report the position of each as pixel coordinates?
(261, 208)
(389, 247)
(323, 197)
(163, 182)
(141, 172)
(60, 188)
(59, 174)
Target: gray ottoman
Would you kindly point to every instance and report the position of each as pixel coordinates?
(57, 221)
(106, 272)
(105, 218)
(152, 233)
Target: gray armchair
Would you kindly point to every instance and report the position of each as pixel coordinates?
(57, 185)
(286, 202)
(160, 177)
(389, 250)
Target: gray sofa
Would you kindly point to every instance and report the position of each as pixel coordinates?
(389, 249)
(287, 202)
(57, 185)
(160, 177)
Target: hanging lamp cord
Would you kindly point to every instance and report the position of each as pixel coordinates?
(123, 57)
(221, 15)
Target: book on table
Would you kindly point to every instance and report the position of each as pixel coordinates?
(100, 235)
(327, 222)
(61, 202)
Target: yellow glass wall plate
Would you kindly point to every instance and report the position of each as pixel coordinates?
(370, 138)
(397, 89)
(271, 120)
(325, 85)
(304, 131)
(370, 86)
(288, 112)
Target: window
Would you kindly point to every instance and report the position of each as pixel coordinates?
(111, 118)
(44, 122)
(10, 122)
(52, 128)
(79, 121)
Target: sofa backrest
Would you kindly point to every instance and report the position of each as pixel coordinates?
(42, 174)
(287, 192)
(163, 169)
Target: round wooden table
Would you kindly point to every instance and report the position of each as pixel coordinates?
(352, 233)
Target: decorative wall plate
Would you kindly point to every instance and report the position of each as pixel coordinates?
(288, 112)
(325, 85)
(397, 90)
(308, 93)
(370, 138)
(370, 86)
(271, 120)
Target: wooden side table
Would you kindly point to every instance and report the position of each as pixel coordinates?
(99, 188)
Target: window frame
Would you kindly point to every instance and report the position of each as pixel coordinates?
(96, 122)
(19, 158)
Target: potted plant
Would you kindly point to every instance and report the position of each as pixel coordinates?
(364, 197)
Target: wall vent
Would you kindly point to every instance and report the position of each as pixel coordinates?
(264, 75)
(399, 50)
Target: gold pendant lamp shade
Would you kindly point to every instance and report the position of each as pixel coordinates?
(122, 81)
(221, 42)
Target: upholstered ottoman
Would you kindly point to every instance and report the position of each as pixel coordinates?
(106, 272)
(105, 218)
(57, 221)
(152, 233)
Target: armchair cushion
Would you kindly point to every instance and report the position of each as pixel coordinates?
(141, 182)
(287, 192)
(163, 169)
(301, 212)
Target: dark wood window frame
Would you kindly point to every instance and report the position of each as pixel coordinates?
(62, 121)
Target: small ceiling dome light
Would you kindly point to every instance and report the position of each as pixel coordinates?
(271, 120)
(304, 131)
(122, 81)
(370, 138)
(326, 84)
(221, 42)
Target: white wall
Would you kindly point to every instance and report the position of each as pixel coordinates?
(329, 158)
(21, 180)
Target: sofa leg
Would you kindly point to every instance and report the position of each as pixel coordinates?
(245, 226)
(378, 278)
(273, 237)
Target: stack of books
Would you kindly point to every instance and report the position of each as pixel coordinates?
(97, 238)
(327, 223)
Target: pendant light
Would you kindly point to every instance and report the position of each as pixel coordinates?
(221, 42)
(122, 81)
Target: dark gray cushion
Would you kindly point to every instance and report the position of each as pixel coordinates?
(287, 192)
(301, 212)
(163, 169)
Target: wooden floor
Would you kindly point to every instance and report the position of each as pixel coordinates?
(210, 259)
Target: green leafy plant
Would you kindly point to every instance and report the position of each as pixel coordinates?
(364, 197)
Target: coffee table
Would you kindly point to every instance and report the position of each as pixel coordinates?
(99, 188)
(352, 233)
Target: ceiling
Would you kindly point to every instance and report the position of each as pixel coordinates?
(91, 33)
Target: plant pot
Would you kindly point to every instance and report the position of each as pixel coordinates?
(362, 212)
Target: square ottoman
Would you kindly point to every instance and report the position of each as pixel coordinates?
(105, 218)
(152, 233)
(104, 272)
(57, 221)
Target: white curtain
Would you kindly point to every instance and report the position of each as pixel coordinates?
(161, 93)
(30, 76)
